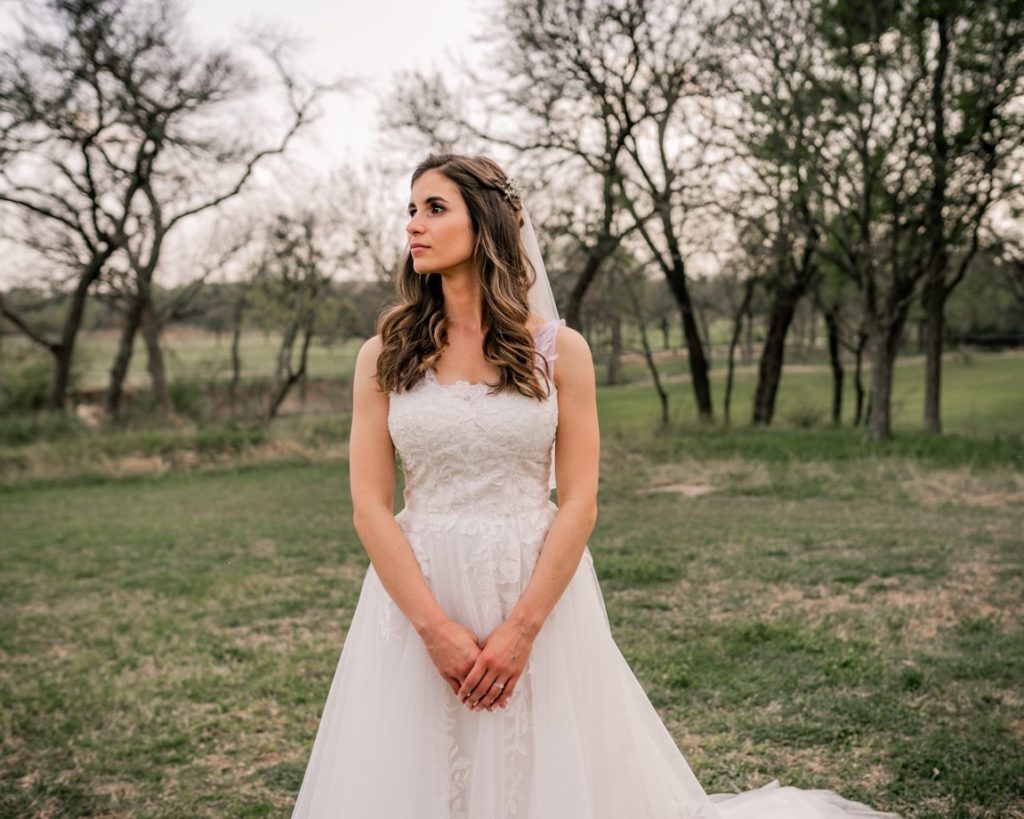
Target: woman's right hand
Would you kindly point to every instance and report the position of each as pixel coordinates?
(453, 648)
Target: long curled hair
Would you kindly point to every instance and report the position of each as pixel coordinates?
(414, 328)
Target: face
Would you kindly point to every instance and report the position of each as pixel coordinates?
(440, 231)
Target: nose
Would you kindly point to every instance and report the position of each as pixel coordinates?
(413, 227)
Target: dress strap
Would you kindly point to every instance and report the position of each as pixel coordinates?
(546, 336)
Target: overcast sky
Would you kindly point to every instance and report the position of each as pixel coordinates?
(370, 40)
(365, 41)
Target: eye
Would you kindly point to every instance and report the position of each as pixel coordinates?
(412, 211)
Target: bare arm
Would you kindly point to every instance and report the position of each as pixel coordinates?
(577, 460)
(452, 647)
(372, 480)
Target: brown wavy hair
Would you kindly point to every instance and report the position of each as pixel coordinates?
(414, 329)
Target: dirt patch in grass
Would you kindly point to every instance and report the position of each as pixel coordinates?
(284, 634)
(973, 591)
(689, 490)
(726, 472)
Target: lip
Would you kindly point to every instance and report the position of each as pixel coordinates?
(417, 247)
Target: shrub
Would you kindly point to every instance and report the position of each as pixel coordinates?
(805, 417)
(26, 382)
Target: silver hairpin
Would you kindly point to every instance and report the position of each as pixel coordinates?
(511, 191)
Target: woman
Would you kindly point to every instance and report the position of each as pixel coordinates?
(479, 677)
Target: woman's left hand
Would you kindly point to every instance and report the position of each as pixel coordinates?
(502, 658)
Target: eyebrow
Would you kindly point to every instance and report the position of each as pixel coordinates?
(431, 199)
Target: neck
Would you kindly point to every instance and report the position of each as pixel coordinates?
(463, 304)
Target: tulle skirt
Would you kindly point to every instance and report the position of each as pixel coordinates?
(579, 738)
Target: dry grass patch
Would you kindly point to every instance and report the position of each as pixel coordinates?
(992, 489)
(973, 590)
(44, 461)
(717, 474)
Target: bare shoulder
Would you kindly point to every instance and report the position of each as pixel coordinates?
(572, 343)
(366, 358)
(575, 364)
(372, 346)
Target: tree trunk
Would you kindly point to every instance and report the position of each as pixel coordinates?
(574, 307)
(614, 369)
(934, 303)
(155, 362)
(289, 378)
(645, 343)
(835, 361)
(858, 378)
(694, 346)
(769, 372)
(748, 344)
(64, 351)
(884, 346)
(934, 296)
(123, 358)
(236, 359)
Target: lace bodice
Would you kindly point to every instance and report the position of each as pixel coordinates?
(466, 449)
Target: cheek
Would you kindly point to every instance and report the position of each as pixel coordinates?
(467, 237)
(456, 237)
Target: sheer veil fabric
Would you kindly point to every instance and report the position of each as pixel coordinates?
(541, 297)
(579, 739)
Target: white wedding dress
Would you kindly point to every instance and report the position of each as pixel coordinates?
(579, 738)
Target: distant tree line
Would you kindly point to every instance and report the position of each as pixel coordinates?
(852, 166)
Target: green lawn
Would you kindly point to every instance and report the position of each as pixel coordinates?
(983, 394)
(987, 393)
(828, 613)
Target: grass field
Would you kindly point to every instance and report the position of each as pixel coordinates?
(987, 393)
(797, 604)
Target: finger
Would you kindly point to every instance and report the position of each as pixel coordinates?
(478, 693)
(474, 676)
(492, 694)
(506, 694)
(502, 696)
(453, 684)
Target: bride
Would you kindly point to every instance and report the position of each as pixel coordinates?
(479, 678)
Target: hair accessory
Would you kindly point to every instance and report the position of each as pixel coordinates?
(511, 191)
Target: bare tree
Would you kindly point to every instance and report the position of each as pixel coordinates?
(67, 169)
(292, 291)
(123, 152)
(633, 281)
(744, 283)
(669, 159)
(149, 314)
(870, 182)
(973, 57)
(766, 71)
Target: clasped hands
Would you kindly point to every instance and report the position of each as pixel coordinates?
(470, 667)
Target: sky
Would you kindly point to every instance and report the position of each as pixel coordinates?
(366, 40)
